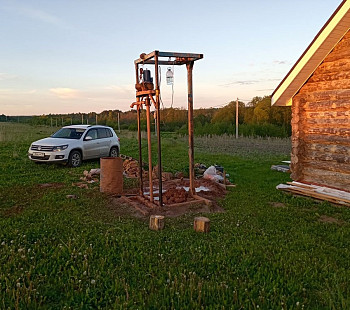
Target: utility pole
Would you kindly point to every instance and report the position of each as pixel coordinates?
(237, 118)
(118, 122)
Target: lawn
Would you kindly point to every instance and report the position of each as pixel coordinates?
(268, 250)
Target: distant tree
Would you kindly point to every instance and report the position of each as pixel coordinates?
(255, 101)
(227, 114)
(248, 115)
(262, 110)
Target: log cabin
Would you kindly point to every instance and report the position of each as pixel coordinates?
(318, 90)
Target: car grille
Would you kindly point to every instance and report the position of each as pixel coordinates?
(40, 157)
(42, 148)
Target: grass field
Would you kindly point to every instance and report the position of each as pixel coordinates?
(267, 251)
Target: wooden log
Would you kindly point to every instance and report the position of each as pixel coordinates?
(327, 106)
(146, 202)
(206, 201)
(337, 140)
(336, 180)
(156, 222)
(201, 224)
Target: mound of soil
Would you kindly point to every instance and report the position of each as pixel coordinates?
(176, 199)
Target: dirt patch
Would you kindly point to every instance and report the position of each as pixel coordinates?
(51, 185)
(120, 208)
(331, 220)
(15, 210)
(278, 205)
(198, 207)
(136, 207)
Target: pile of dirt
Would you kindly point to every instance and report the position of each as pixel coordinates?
(131, 167)
(175, 195)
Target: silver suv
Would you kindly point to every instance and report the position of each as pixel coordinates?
(75, 143)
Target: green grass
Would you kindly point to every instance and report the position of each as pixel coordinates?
(56, 252)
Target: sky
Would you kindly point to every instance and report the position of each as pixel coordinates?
(65, 56)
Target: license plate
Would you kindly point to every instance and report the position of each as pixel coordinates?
(38, 154)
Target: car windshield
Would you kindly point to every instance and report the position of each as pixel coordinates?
(69, 133)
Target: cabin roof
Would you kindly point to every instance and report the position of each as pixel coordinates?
(324, 42)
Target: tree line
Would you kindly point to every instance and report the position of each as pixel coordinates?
(257, 118)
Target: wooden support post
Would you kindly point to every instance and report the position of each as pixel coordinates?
(158, 130)
(156, 222)
(139, 142)
(148, 104)
(201, 224)
(137, 73)
(189, 67)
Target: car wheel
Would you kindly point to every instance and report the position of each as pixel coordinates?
(74, 159)
(114, 152)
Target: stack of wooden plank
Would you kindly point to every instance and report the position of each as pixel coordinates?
(317, 192)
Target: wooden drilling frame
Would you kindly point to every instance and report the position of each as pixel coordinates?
(147, 94)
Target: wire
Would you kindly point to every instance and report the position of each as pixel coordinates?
(172, 85)
(160, 82)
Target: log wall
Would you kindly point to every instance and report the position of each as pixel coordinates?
(321, 123)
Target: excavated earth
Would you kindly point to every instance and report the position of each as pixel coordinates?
(176, 200)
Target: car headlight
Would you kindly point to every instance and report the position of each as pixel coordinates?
(59, 148)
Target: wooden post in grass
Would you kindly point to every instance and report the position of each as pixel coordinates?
(156, 222)
(201, 224)
(237, 118)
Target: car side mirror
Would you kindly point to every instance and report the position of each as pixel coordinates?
(88, 138)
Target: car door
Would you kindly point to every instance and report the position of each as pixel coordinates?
(105, 141)
(91, 145)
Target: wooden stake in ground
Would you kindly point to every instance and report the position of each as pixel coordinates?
(201, 224)
(156, 222)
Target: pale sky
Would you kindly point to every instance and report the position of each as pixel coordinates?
(60, 56)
